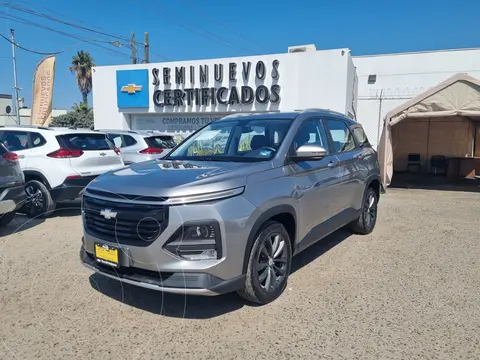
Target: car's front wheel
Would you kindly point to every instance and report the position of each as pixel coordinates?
(268, 265)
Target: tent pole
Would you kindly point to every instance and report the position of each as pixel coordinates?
(379, 116)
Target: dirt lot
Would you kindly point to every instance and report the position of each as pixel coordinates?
(411, 290)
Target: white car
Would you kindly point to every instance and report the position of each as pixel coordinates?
(58, 162)
(141, 145)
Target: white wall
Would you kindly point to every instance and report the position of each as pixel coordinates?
(401, 77)
(321, 79)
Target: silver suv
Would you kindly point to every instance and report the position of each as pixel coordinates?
(217, 216)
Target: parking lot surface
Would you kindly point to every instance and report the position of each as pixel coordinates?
(410, 290)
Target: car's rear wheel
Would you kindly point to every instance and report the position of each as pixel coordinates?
(268, 265)
(5, 219)
(38, 201)
(368, 217)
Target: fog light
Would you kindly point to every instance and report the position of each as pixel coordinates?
(204, 255)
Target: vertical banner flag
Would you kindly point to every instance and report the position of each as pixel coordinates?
(43, 91)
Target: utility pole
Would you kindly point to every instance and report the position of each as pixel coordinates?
(15, 84)
(146, 48)
(134, 50)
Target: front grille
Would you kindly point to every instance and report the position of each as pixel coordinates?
(129, 223)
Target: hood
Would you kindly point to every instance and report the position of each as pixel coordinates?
(166, 178)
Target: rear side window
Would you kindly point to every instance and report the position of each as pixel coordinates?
(84, 142)
(360, 135)
(128, 140)
(37, 139)
(341, 135)
(161, 141)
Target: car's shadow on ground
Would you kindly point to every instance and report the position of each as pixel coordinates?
(21, 222)
(199, 307)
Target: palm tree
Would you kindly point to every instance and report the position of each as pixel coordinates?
(82, 64)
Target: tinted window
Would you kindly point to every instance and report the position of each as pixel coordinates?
(360, 135)
(84, 142)
(15, 140)
(37, 140)
(116, 139)
(162, 141)
(311, 132)
(128, 140)
(341, 136)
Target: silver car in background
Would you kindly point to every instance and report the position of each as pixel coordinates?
(141, 145)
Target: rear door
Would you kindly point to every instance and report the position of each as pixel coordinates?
(348, 153)
(99, 155)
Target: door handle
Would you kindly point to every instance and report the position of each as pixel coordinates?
(332, 164)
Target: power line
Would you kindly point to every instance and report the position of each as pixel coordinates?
(89, 41)
(37, 52)
(226, 43)
(200, 11)
(46, 16)
(84, 28)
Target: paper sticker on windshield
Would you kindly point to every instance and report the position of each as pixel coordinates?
(265, 152)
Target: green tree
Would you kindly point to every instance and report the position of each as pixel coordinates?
(81, 116)
(82, 64)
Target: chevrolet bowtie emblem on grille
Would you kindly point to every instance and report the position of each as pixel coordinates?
(108, 214)
(132, 88)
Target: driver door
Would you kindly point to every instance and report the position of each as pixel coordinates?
(316, 181)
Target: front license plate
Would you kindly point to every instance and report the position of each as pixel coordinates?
(106, 254)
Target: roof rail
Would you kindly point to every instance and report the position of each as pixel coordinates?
(246, 114)
(28, 126)
(322, 110)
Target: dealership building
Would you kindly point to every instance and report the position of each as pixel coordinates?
(183, 96)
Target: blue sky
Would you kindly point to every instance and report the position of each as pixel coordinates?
(366, 27)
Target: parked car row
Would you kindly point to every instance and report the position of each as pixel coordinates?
(55, 164)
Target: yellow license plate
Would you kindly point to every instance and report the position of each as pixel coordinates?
(106, 254)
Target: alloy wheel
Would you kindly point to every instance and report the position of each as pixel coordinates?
(272, 262)
(370, 211)
(35, 202)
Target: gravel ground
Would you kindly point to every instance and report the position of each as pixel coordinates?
(410, 290)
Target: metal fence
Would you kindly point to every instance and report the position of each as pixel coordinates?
(371, 111)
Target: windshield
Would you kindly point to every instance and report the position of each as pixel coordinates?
(242, 140)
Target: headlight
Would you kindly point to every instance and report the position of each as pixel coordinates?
(196, 241)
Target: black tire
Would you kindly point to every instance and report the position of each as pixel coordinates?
(5, 219)
(39, 202)
(260, 256)
(368, 218)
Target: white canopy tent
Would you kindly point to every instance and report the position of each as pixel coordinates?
(449, 101)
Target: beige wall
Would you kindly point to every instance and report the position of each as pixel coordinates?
(451, 136)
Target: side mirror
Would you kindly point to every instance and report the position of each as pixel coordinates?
(310, 152)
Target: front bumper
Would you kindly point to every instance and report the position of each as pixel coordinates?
(12, 199)
(176, 283)
(153, 257)
(70, 189)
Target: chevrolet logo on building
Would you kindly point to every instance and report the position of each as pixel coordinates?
(132, 88)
